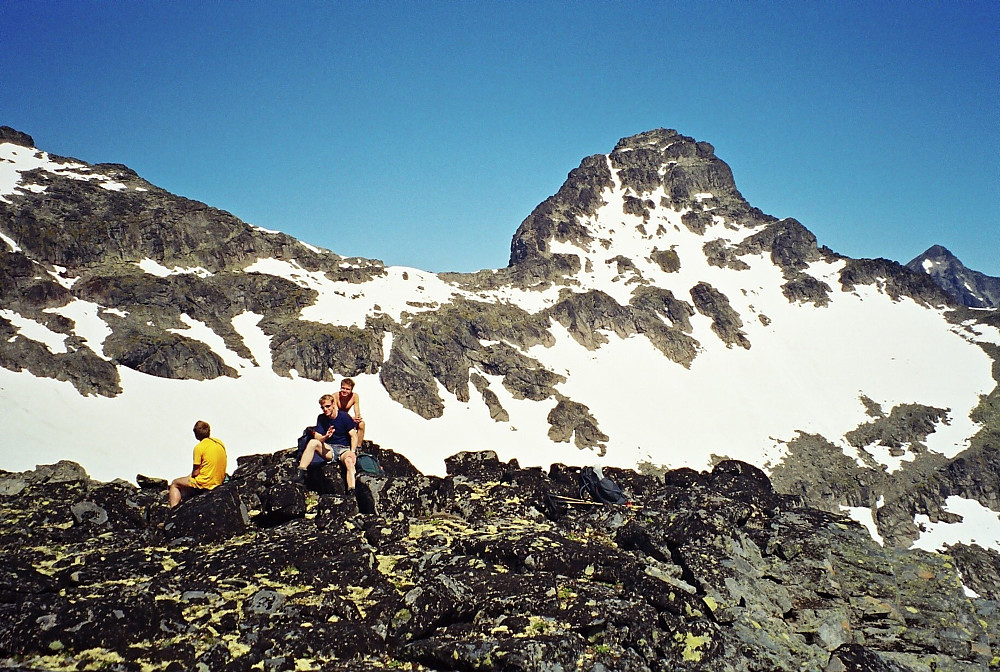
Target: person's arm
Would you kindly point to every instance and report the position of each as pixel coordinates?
(198, 459)
(357, 406)
(322, 421)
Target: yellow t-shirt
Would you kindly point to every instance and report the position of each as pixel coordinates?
(210, 455)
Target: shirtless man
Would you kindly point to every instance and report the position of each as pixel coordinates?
(348, 399)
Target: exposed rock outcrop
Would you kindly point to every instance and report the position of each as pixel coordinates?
(966, 286)
(486, 569)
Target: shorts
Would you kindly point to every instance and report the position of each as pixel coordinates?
(338, 450)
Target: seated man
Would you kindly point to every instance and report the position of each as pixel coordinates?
(209, 465)
(334, 437)
(348, 399)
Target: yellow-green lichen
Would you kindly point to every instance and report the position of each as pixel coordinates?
(692, 644)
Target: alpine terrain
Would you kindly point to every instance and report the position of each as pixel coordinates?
(970, 288)
(650, 319)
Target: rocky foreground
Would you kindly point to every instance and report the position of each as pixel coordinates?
(480, 570)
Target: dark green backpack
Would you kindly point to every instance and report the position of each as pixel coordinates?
(367, 464)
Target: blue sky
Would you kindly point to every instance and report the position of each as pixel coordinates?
(422, 133)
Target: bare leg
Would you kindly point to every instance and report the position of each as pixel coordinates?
(361, 432)
(349, 459)
(313, 447)
(178, 488)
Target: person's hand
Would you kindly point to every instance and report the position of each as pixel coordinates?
(329, 432)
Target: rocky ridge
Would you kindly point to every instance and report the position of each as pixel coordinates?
(968, 287)
(478, 570)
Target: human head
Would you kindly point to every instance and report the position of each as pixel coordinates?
(327, 400)
(202, 430)
(348, 383)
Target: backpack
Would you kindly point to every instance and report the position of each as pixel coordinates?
(600, 488)
(307, 435)
(367, 464)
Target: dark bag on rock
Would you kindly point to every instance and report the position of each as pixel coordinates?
(600, 488)
(367, 464)
(307, 435)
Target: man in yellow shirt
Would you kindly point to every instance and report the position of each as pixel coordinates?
(209, 465)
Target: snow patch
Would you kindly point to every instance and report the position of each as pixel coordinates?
(14, 247)
(35, 331)
(153, 267)
(866, 517)
(257, 342)
(979, 525)
(88, 323)
(199, 331)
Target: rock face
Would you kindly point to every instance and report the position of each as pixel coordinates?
(489, 568)
(967, 287)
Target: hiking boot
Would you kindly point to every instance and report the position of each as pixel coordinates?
(299, 477)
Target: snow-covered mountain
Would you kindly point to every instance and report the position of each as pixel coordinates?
(649, 316)
(968, 287)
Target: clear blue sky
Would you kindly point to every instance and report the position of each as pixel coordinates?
(422, 133)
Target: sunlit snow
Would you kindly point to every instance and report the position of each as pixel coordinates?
(866, 517)
(979, 525)
(35, 331)
(153, 267)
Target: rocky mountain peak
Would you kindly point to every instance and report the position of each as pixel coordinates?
(15, 137)
(966, 286)
(648, 185)
(939, 252)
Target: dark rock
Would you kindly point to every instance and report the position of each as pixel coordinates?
(8, 134)
(856, 658)
(968, 287)
(722, 254)
(149, 483)
(557, 218)
(209, 516)
(895, 280)
(667, 260)
(480, 466)
(572, 420)
(712, 571)
(726, 322)
(316, 350)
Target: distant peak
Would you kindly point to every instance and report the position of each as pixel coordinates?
(660, 139)
(937, 251)
(15, 137)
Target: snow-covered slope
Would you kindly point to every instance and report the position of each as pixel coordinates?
(767, 340)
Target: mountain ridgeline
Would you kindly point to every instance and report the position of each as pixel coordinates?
(651, 247)
(71, 221)
(649, 317)
(968, 287)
